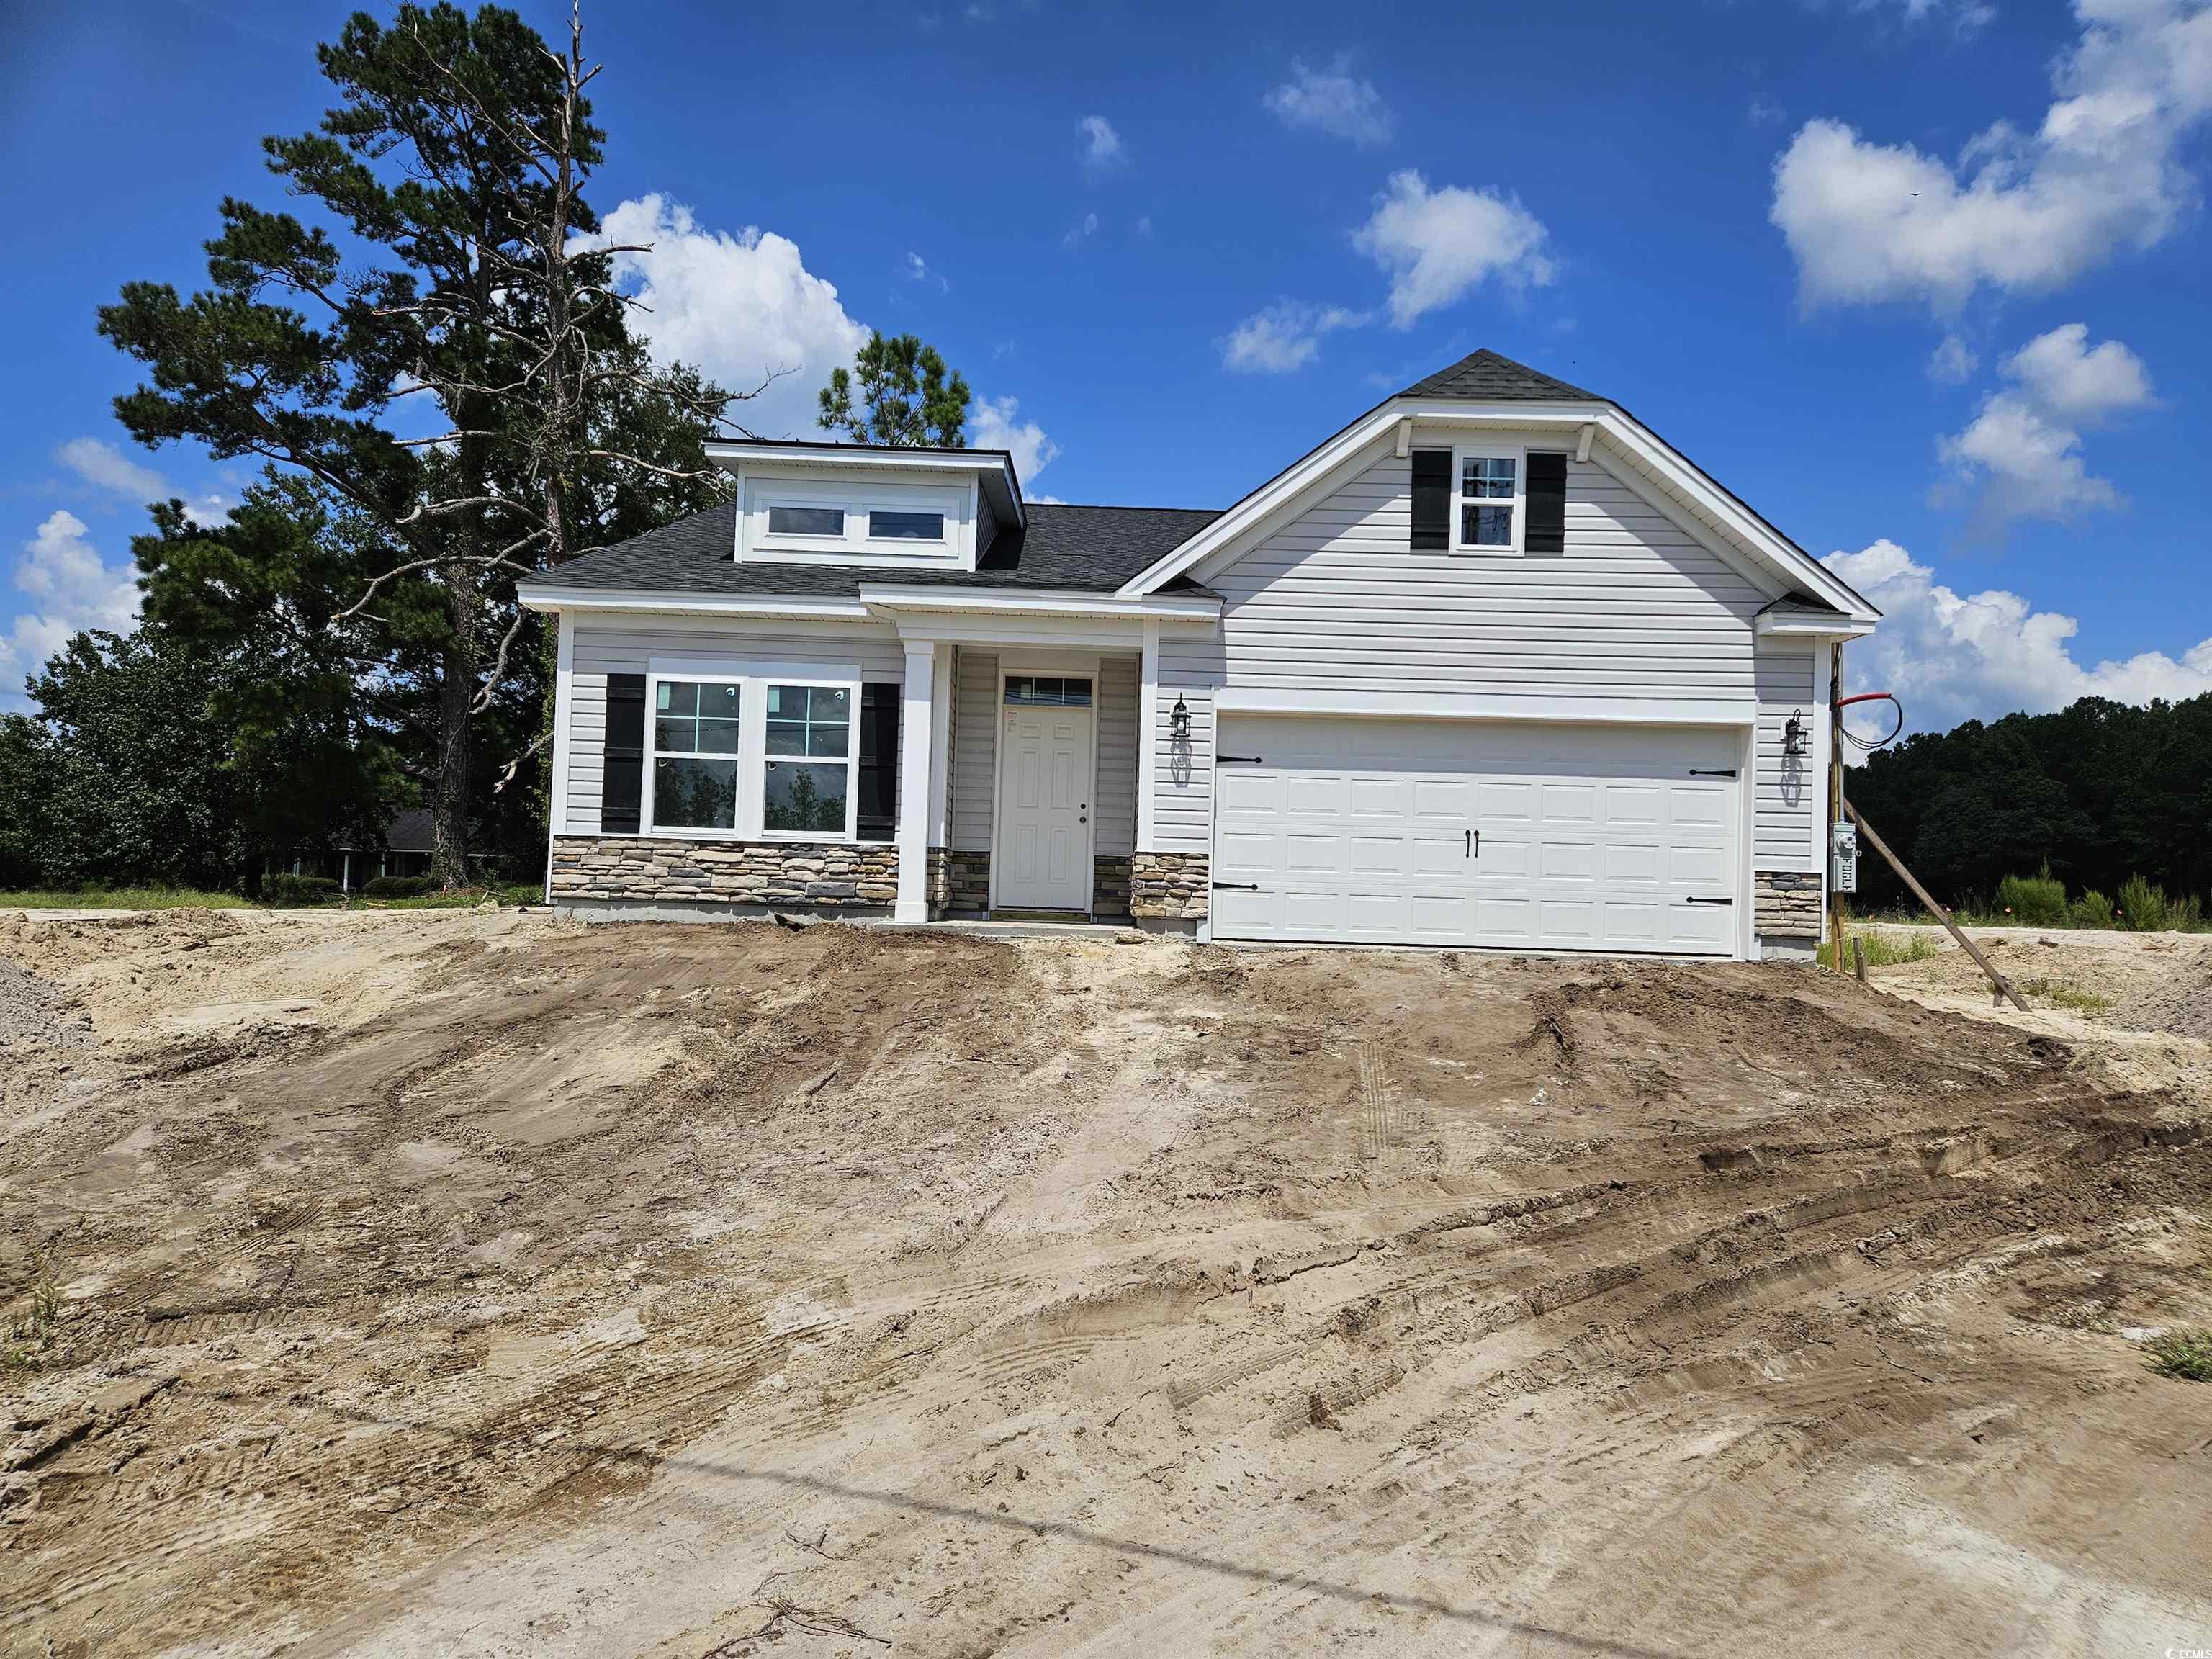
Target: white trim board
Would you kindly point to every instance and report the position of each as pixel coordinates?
(1423, 705)
(536, 596)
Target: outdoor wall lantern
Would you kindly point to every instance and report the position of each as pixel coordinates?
(1792, 734)
(1179, 719)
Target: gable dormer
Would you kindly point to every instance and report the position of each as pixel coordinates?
(858, 504)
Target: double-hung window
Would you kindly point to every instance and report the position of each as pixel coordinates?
(1488, 503)
(695, 746)
(745, 755)
(807, 783)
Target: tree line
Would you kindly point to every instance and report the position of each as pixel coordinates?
(439, 383)
(2098, 792)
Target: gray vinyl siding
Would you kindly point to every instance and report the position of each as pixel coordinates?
(628, 646)
(975, 740)
(986, 523)
(1119, 680)
(1788, 807)
(1335, 602)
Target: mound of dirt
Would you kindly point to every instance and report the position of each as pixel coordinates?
(448, 1282)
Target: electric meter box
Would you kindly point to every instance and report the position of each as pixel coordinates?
(1844, 857)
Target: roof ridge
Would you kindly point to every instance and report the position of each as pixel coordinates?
(1129, 506)
(1485, 374)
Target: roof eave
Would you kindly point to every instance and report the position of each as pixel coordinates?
(993, 467)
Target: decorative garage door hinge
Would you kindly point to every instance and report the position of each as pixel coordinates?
(1239, 760)
(1695, 773)
(1711, 901)
(1237, 886)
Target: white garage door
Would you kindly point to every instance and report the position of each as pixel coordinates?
(1476, 833)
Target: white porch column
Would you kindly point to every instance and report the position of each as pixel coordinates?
(917, 746)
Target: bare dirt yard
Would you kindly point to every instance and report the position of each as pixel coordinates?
(479, 1283)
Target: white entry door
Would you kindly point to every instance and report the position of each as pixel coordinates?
(1478, 833)
(1041, 856)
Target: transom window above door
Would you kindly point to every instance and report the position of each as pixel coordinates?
(1051, 691)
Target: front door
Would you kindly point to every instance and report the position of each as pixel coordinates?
(1041, 856)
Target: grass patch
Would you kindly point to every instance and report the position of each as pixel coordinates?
(2184, 1354)
(462, 898)
(2065, 995)
(125, 898)
(31, 1332)
(1883, 950)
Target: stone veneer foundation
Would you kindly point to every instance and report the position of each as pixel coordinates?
(816, 875)
(970, 880)
(1109, 887)
(1786, 904)
(1169, 886)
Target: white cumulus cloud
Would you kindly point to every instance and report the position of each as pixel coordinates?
(1102, 145)
(1331, 100)
(738, 307)
(1284, 337)
(1437, 243)
(67, 588)
(2022, 451)
(2015, 211)
(107, 469)
(996, 423)
(1950, 657)
(1953, 362)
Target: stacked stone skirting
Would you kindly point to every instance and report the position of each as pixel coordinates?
(1109, 887)
(969, 876)
(1787, 903)
(838, 876)
(937, 880)
(1168, 886)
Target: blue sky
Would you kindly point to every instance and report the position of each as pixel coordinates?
(1924, 279)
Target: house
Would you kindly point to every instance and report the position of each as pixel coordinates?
(1494, 666)
(404, 850)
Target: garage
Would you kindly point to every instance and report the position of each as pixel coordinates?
(1503, 834)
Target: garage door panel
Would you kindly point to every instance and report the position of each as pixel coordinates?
(1591, 838)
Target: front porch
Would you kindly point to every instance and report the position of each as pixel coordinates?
(1012, 792)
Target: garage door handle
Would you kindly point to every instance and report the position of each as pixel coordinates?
(1237, 886)
(1695, 773)
(1711, 901)
(1474, 842)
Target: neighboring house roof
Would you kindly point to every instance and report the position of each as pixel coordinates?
(1491, 379)
(408, 831)
(1078, 549)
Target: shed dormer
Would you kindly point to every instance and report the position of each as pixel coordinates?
(861, 504)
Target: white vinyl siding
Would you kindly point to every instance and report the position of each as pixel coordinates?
(1336, 602)
(975, 747)
(1788, 806)
(1115, 832)
(1182, 769)
(627, 648)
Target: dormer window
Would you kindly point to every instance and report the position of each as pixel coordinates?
(890, 525)
(806, 521)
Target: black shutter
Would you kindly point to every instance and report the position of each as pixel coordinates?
(1547, 502)
(1432, 488)
(623, 781)
(879, 746)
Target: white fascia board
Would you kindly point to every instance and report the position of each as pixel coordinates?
(1018, 601)
(1426, 705)
(732, 457)
(702, 605)
(1819, 628)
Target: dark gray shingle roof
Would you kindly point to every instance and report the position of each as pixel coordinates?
(1090, 550)
(1486, 375)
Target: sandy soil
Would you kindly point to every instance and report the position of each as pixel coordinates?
(476, 1283)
